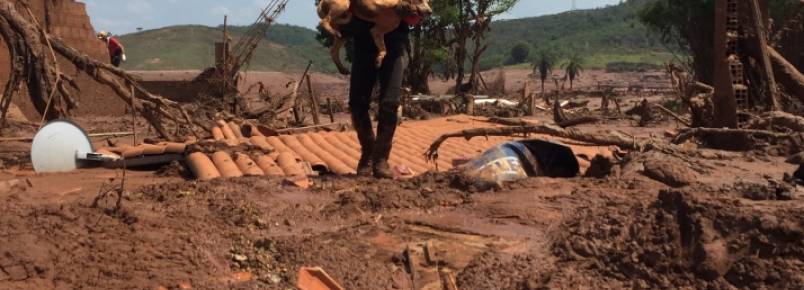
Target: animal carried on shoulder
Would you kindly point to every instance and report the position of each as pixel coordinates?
(385, 14)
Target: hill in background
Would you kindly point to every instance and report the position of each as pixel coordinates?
(286, 48)
(603, 35)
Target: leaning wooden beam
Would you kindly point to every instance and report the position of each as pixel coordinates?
(90, 65)
(293, 101)
(673, 115)
(108, 75)
(762, 39)
(787, 74)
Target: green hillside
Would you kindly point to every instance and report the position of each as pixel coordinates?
(286, 48)
(602, 35)
(610, 34)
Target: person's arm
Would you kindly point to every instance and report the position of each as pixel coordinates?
(122, 49)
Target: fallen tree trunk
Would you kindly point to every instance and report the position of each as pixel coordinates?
(707, 133)
(778, 119)
(97, 71)
(563, 121)
(602, 138)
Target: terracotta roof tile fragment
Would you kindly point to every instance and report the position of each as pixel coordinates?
(260, 141)
(230, 136)
(174, 148)
(277, 144)
(226, 165)
(202, 166)
(293, 144)
(236, 130)
(247, 165)
(293, 170)
(132, 151)
(326, 153)
(255, 131)
(269, 166)
(217, 134)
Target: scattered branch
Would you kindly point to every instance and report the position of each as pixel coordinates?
(705, 133)
(563, 121)
(674, 115)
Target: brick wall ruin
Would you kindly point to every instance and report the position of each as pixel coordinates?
(68, 19)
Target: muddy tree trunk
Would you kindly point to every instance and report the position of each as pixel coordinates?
(40, 71)
(419, 69)
(787, 74)
(481, 26)
(16, 73)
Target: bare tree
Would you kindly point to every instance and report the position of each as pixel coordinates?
(482, 13)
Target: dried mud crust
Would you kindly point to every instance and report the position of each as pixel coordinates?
(345, 256)
(166, 235)
(494, 270)
(683, 239)
(422, 192)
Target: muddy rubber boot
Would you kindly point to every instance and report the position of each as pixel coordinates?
(365, 134)
(386, 128)
(382, 170)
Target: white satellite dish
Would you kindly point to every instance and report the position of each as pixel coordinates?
(57, 147)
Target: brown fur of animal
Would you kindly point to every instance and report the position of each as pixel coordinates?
(385, 14)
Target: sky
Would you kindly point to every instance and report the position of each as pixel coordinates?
(125, 16)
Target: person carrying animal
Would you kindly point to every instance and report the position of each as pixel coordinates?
(117, 53)
(380, 37)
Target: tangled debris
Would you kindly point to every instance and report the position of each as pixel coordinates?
(33, 52)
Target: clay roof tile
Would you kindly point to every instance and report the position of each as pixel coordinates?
(226, 166)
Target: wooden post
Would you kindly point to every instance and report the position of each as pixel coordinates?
(225, 42)
(329, 108)
(296, 88)
(528, 97)
(762, 40)
(313, 100)
(470, 105)
(134, 113)
(297, 115)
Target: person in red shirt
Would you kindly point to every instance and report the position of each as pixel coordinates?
(117, 52)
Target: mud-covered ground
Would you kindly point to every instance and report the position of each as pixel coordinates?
(736, 225)
(707, 220)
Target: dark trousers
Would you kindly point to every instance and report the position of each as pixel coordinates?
(364, 77)
(117, 58)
